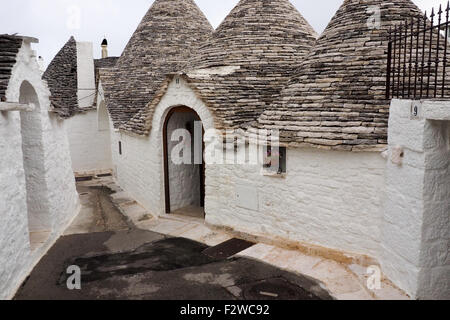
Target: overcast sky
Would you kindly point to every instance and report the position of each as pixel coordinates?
(54, 21)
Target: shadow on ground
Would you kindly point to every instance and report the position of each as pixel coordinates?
(158, 267)
(119, 261)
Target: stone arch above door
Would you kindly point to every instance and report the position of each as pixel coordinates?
(180, 94)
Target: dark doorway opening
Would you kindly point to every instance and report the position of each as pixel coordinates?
(184, 167)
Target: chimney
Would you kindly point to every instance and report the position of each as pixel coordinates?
(104, 49)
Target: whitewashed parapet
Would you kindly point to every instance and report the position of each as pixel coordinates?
(436, 110)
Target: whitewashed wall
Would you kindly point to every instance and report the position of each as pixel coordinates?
(85, 74)
(14, 243)
(416, 228)
(327, 198)
(90, 142)
(89, 132)
(434, 278)
(34, 161)
(16, 257)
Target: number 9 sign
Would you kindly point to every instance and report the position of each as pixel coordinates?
(416, 110)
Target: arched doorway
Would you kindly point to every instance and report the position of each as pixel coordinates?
(39, 222)
(184, 169)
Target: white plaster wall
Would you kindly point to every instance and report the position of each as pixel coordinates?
(327, 198)
(33, 162)
(16, 257)
(14, 246)
(90, 142)
(434, 278)
(85, 74)
(416, 228)
(401, 231)
(184, 179)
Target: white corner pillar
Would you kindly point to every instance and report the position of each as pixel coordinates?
(416, 226)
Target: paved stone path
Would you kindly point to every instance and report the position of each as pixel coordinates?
(126, 253)
(121, 261)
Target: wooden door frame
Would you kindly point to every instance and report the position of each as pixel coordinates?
(169, 115)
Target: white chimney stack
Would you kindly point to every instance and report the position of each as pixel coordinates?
(104, 49)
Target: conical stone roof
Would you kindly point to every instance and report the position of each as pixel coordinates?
(337, 98)
(62, 78)
(247, 61)
(161, 44)
(258, 34)
(9, 48)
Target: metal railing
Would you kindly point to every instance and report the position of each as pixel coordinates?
(417, 57)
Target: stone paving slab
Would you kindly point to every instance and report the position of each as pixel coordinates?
(205, 235)
(342, 282)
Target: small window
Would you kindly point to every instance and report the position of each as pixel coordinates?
(120, 147)
(274, 161)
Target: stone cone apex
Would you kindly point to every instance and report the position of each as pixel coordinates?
(249, 59)
(337, 100)
(61, 76)
(266, 31)
(160, 45)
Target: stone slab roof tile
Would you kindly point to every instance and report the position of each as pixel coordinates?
(161, 45)
(100, 64)
(246, 62)
(108, 62)
(61, 76)
(337, 98)
(9, 48)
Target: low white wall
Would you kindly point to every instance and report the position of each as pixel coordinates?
(416, 227)
(90, 145)
(434, 278)
(16, 257)
(138, 170)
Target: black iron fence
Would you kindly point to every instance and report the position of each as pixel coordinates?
(417, 65)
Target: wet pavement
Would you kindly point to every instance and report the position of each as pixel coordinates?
(120, 261)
